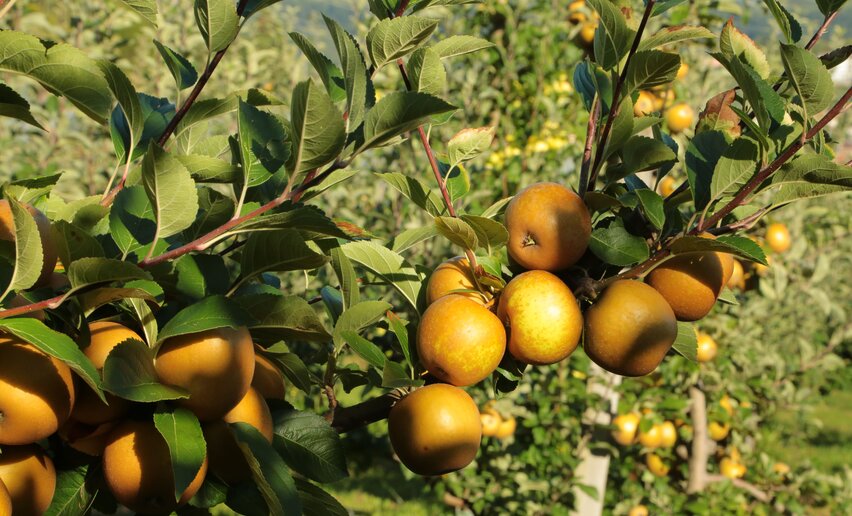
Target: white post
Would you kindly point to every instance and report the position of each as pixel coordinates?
(594, 468)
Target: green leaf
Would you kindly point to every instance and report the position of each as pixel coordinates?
(207, 169)
(156, 114)
(686, 342)
(170, 190)
(675, 34)
(128, 101)
(735, 167)
(253, 6)
(388, 265)
(283, 317)
(310, 222)
(55, 344)
(278, 251)
(622, 127)
(652, 206)
(309, 445)
(92, 300)
(809, 77)
(459, 45)
(263, 142)
(72, 243)
(180, 67)
(129, 373)
(13, 105)
(395, 377)
(182, 432)
(457, 180)
(650, 68)
(356, 79)
(395, 38)
(70, 496)
(400, 328)
(490, 234)
(209, 108)
(357, 318)
(457, 231)
(826, 7)
(208, 314)
(345, 272)
(131, 219)
(398, 113)
(366, 349)
(316, 502)
(294, 369)
(29, 255)
(60, 68)
(468, 144)
(86, 272)
(147, 9)
(738, 246)
(411, 237)
(642, 153)
(318, 129)
(809, 175)
(702, 155)
(614, 245)
(269, 472)
(612, 37)
(426, 73)
(218, 23)
(329, 73)
(736, 46)
(788, 25)
(414, 190)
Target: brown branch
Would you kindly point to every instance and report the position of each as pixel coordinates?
(433, 163)
(750, 488)
(613, 108)
(698, 457)
(364, 413)
(594, 114)
(201, 242)
(403, 5)
(780, 160)
(744, 223)
(183, 110)
(821, 30)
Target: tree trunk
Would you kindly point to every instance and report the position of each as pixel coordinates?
(700, 441)
(594, 468)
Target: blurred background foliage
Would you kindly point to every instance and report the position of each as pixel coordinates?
(784, 349)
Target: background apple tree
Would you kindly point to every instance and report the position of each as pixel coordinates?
(223, 166)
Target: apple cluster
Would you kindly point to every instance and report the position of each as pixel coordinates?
(225, 382)
(466, 330)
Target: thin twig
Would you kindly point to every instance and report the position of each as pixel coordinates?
(613, 108)
(6, 8)
(594, 114)
(182, 111)
(750, 488)
(764, 174)
(821, 30)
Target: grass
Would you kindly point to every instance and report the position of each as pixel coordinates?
(821, 436)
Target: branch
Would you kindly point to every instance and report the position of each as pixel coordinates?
(821, 30)
(364, 413)
(203, 241)
(750, 488)
(613, 108)
(448, 202)
(780, 160)
(6, 8)
(594, 114)
(184, 108)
